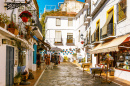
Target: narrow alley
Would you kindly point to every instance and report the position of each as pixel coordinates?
(68, 74)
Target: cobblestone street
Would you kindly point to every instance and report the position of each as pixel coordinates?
(68, 74)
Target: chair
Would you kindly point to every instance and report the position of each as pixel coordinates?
(86, 65)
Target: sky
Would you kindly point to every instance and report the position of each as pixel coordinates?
(43, 3)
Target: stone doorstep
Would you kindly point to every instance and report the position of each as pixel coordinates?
(114, 79)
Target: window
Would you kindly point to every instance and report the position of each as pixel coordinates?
(70, 22)
(69, 37)
(97, 31)
(58, 38)
(58, 21)
(121, 10)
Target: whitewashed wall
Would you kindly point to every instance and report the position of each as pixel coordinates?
(121, 28)
(64, 28)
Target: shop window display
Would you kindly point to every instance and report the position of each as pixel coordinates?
(123, 61)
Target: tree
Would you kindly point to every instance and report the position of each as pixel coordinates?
(43, 19)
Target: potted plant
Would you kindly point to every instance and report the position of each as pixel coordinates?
(13, 28)
(17, 78)
(4, 19)
(25, 15)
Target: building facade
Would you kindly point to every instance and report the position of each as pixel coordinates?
(109, 31)
(60, 32)
(71, 6)
(16, 47)
(101, 27)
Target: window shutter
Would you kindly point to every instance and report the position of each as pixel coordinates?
(122, 10)
(58, 22)
(58, 36)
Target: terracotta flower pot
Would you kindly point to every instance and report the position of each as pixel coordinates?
(13, 30)
(25, 19)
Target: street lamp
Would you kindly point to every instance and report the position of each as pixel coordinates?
(81, 36)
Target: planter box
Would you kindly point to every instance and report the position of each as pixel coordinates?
(13, 30)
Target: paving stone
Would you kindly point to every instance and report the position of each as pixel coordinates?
(68, 74)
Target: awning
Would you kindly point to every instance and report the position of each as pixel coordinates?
(104, 29)
(35, 38)
(44, 43)
(109, 46)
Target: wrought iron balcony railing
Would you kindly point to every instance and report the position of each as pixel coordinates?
(110, 31)
(70, 41)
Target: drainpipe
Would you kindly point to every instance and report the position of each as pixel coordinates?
(12, 15)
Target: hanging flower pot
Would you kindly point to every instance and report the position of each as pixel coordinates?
(82, 42)
(25, 15)
(25, 19)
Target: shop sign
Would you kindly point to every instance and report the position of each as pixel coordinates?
(9, 42)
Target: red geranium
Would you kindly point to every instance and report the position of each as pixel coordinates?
(25, 14)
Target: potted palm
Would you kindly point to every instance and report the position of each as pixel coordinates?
(25, 15)
(13, 28)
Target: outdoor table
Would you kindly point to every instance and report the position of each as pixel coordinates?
(94, 68)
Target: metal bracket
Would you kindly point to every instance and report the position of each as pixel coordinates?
(13, 5)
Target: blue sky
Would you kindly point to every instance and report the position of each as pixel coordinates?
(42, 3)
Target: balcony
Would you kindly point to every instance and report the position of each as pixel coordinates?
(70, 42)
(58, 41)
(110, 32)
(96, 40)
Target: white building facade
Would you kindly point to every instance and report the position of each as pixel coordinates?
(9, 44)
(60, 33)
(110, 23)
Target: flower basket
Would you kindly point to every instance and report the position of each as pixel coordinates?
(25, 15)
(13, 30)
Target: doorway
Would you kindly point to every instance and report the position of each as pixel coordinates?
(9, 65)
